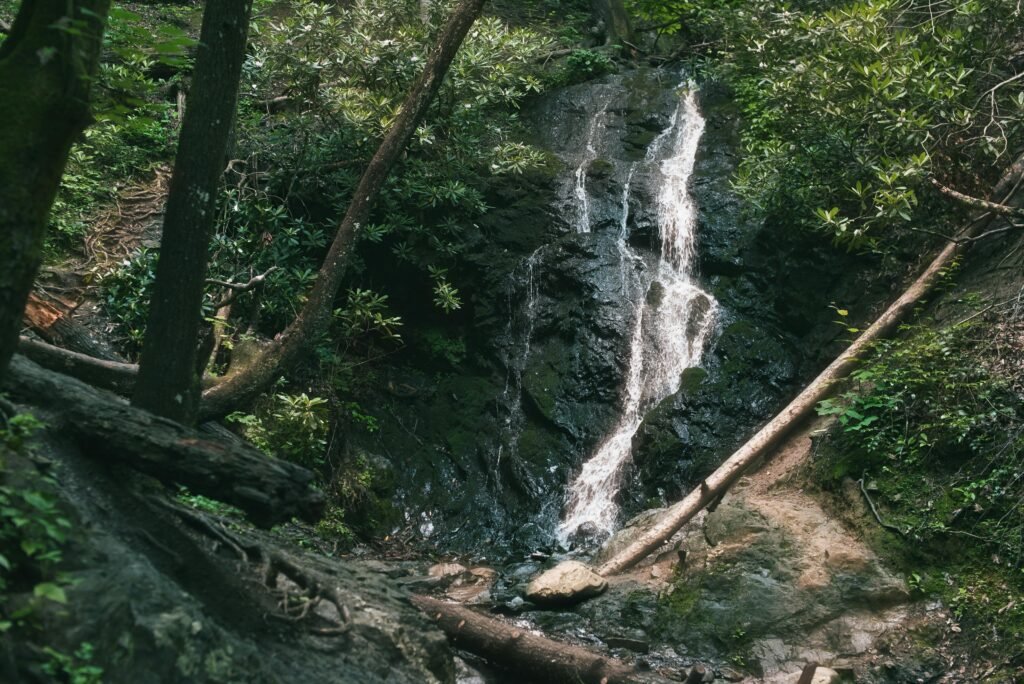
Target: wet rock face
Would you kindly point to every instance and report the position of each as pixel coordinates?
(774, 285)
(486, 446)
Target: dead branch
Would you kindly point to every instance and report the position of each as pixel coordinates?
(977, 203)
(109, 375)
(239, 288)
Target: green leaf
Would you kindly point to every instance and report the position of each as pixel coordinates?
(51, 591)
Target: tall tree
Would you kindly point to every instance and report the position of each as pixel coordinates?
(243, 385)
(47, 63)
(168, 382)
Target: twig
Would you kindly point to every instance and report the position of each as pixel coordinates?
(976, 202)
(239, 288)
(875, 510)
(985, 310)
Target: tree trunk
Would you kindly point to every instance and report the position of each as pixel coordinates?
(270, 491)
(613, 14)
(290, 347)
(168, 382)
(46, 73)
(719, 481)
(532, 658)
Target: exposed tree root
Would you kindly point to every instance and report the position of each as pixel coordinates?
(298, 589)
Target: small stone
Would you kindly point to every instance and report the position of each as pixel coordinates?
(565, 584)
(484, 574)
(635, 645)
(825, 675)
(446, 569)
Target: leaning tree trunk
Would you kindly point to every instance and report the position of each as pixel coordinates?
(289, 348)
(719, 481)
(47, 63)
(168, 382)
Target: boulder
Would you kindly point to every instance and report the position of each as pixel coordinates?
(565, 584)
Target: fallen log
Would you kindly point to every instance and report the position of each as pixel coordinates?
(771, 434)
(52, 320)
(108, 428)
(109, 375)
(533, 658)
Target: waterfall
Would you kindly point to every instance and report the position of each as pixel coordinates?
(579, 191)
(673, 321)
(521, 320)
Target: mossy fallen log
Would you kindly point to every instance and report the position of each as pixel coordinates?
(107, 428)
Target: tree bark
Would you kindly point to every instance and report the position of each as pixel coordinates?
(169, 380)
(268, 490)
(291, 345)
(47, 62)
(533, 658)
(719, 481)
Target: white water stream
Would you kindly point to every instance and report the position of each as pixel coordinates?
(673, 322)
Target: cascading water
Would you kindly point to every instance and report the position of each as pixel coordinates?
(673, 322)
(579, 191)
(521, 321)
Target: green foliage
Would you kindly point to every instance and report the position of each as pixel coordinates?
(850, 107)
(145, 53)
(293, 427)
(358, 415)
(333, 526)
(33, 531)
(207, 505)
(938, 439)
(365, 316)
(73, 669)
(344, 73)
(444, 348)
(18, 430)
(126, 294)
(582, 65)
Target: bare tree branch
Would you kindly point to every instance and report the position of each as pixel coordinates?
(239, 288)
(976, 202)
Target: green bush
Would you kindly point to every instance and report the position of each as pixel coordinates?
(850, 107)
(293, 427)
(584, 65)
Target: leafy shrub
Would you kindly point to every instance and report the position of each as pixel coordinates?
(850, 107)
(33, 530)
(293, 427)
(937, 438)
(583, 65)
(353, 65)
(941, 437)
(127, 290)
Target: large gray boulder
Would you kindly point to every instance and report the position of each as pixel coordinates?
(565, 584)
